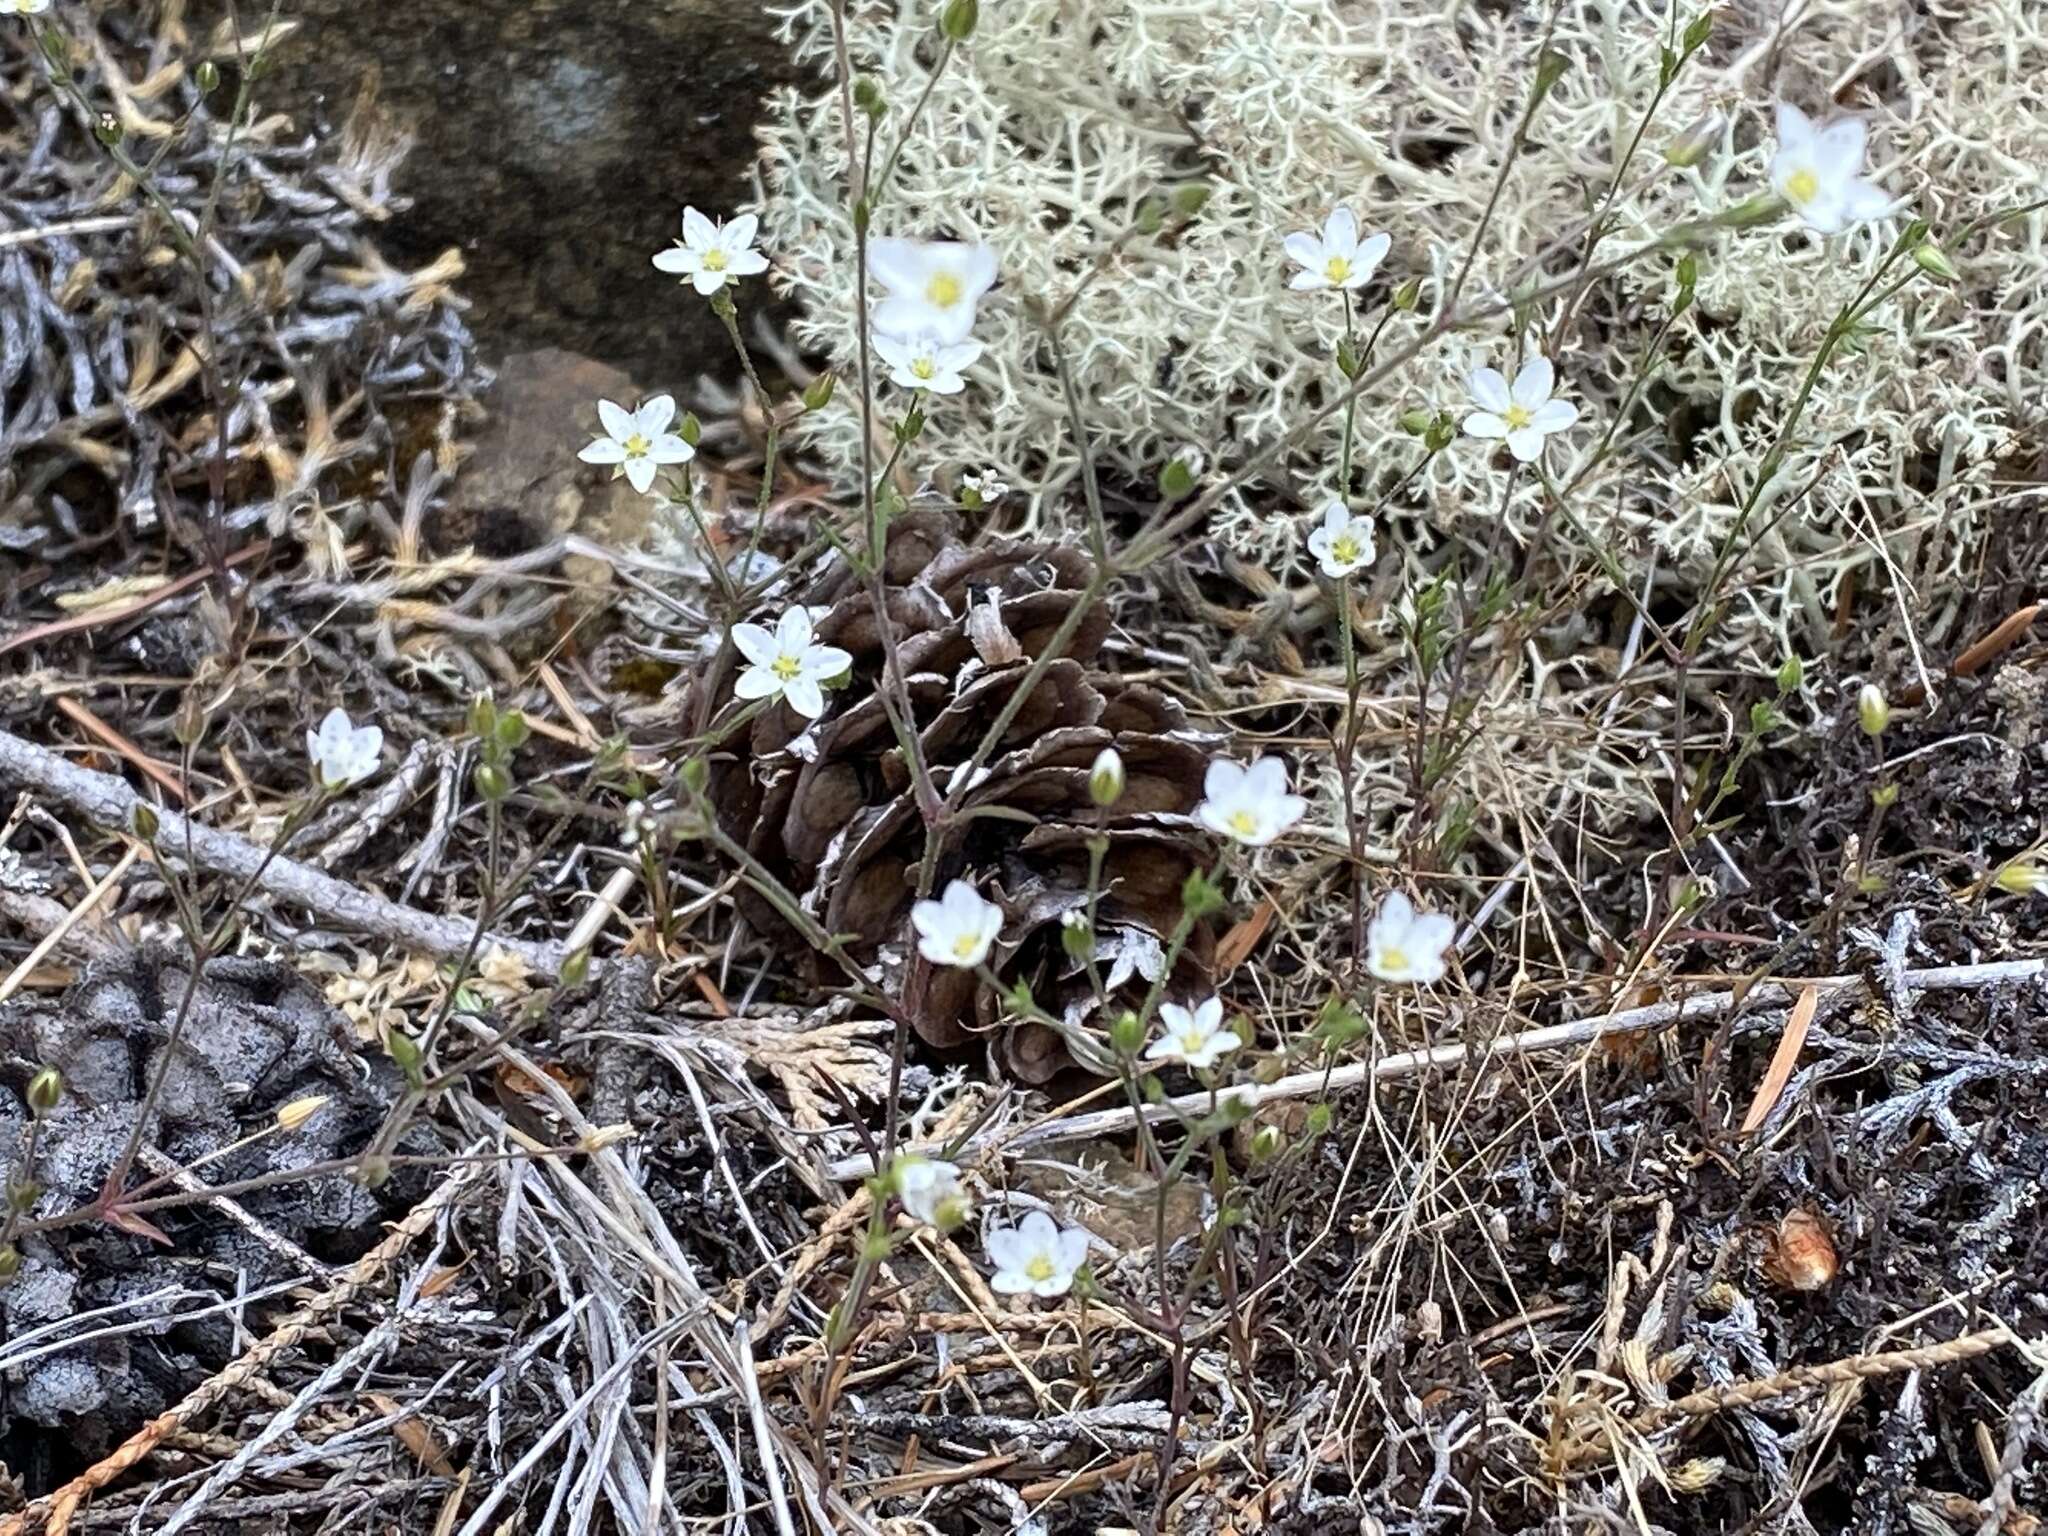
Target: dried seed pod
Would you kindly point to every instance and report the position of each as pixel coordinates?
(831, 809)
(1799, 1253)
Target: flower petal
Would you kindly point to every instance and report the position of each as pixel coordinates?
(655, 414)
(793, 630)
(1838, 148)
(1863, 200)
(640, 474)
(1485, 424)
(601, 450)
(1005, 1248)
(1554, 416)
(1526, 444)
(756, 683)
(1340, 231)
(804, 696)
(618, 421)
(1266, 777)
(898, 265)
(1373, 250)
(707, 282)
(1795, 128)
(746, 263)
(1306, 249)
(1070, 1248)
(698, 230)
(1302, 282)
(1489, 389)
(739, 234)
(755, 643)
(1222, 779)
(678, 258)
(826, 662)
(1534, 383)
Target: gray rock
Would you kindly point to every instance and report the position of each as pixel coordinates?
(558, 141)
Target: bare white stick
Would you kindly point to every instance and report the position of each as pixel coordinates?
(111, 803)
(1551, 1037)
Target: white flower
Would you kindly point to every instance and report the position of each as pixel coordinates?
(636, 826)
(23, 7)
(1524, 414)
(933, 286)
(926, 362)
(958, 928)
(637, 441)
(1344, 543)
(711, 255)
(787, 663)
(987, 486)
(341, 752)
(1336, 258)
(1194, 1038)
(1106, 778)
(930, 1190)
(1251, 804)
(1402, 944)
(1037, 1257)
(1815, 171)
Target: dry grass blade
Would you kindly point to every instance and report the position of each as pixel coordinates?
(1783, 1060)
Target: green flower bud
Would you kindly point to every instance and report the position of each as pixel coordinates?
(1791, 673)
(511, 731)
(2023, 877)
(868, 96)
(1696, 142)
(10, 1262)
(1127, 1035)
(491, 781)
(1418, 421)
(23, 1193)
(1176, 480)
(374, 1172)
(1266, 1143)
(1151, 216)
(576, 968)
(207, 77)
(1933, 260)
(1408, 295)
(1076, 937)
(144, 820)
(690, 429)
(1873, 713)
(1199, 895)
(1318, 1122)
(483, 717)
(45, 1090)
(108, 130)
(958, 20)
(1758, 210)
(818, 393)
(1884, 796)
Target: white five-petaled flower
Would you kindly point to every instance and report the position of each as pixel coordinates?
(1037, 1257)
(712, 255)
(638, 442)
(925, 362)
(1336, 258)
(1250, 805)
(1343, 543)
(343, 752)
(958, 928)
(1194, 1037)
(1815, 170)
(987, 486)
(786, 662)
(933, 286)
(23, 7)
(636, 824)
(1523, 412)
(930, 1190)
(1402, 944)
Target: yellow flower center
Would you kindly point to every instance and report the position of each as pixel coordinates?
(1244, 823)
(1393, 959)
(636, 446)
(1337, 268)
(1040, 1267)
(1517, 417)
(943, 291)
(714, 260)
(965, 945)
(1802, 186)
(1344, 548)
(924, 367)
(1191, 1043)
(787, 668)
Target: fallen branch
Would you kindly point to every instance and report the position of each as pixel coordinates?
(111, 803)
(1551, 1037)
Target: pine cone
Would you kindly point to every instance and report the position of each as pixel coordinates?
(832, 812)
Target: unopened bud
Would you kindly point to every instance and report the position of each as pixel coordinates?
(1696, 142)
(10, 1262)
(22, 1193)
(1418, 421)
(1758, 210)
(818, 393)
(206, 77)
(868, 96)
(404, 1050)
(1873, 713)
(144, 820)
(1176, 480)
(1933, 260)
(576, 969)
(374, 1172)
(1106, 778)
(958, 20)
(45, 1090)
(297, 1113)
(511, 731)
(1190, 198)
(108, 130)
(1266, 1143)
(483, 716)
(690, 429)
(1408, 294)
(2023, 877)
(492, 782)
(1127, 1034)
(1791, 673)
(1076, 937)
(1885, 795)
